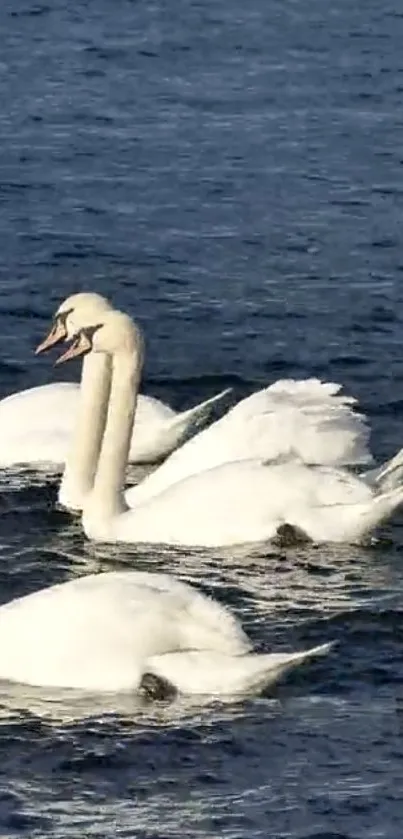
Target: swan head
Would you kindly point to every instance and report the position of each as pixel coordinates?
(75, 312)
(111, 332)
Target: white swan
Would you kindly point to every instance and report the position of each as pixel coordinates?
(36, 425)
(240, 501)
(308, 420)
(105, 632)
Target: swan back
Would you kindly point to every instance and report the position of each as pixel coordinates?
(96, 632)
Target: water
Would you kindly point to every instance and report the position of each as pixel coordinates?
(232, 175)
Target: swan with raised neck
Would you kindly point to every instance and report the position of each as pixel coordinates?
(77, 311)
(242, 501)
(158, 431)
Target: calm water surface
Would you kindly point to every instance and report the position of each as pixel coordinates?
(231, 174)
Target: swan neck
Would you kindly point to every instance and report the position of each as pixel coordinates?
(82, 458)
(109, 482)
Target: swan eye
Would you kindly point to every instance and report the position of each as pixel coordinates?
(90, 331)
(84, 337)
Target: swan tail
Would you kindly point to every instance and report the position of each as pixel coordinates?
(197, 416)
(380, 510)
(267, 669)
(177, 430)
(217, 674)
(187, 422)
(388, 475)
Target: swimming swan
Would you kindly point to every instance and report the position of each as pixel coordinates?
(105, 632)
(36, 425)
(308, 420)
(236, 502)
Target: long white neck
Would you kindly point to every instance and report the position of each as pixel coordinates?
(106, 499)
(81, 462)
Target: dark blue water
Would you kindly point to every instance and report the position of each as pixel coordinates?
(232, 174)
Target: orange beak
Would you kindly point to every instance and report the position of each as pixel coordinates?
(80, 346)
(57, 333)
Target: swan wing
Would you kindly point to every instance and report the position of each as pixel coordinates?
(307, 420)
(310, 419)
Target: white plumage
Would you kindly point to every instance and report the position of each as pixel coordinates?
(103, 632)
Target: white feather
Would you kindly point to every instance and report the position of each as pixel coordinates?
(104, 631)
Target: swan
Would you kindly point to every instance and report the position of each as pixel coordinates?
(36, 425)
(307, 419)
(107, 632)
(236, 502)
